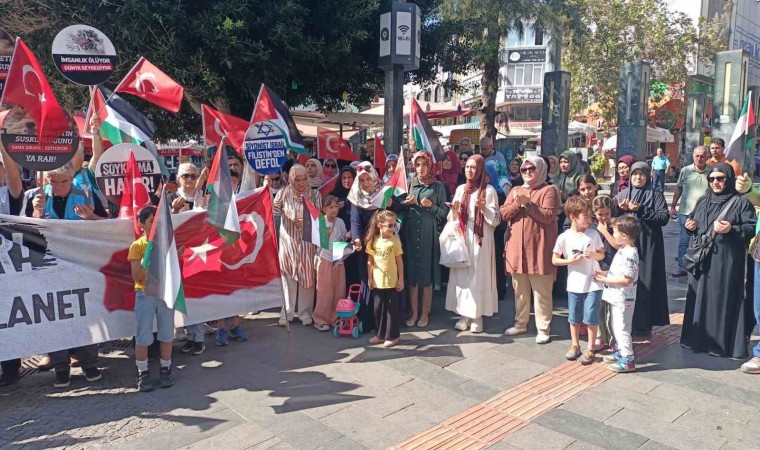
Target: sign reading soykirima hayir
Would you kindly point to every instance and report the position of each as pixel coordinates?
(67, 283)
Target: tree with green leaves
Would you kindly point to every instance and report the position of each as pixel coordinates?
(310, 52)
(631, 30)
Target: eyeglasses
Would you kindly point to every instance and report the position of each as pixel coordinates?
(189, 176)
(330, 166)
(529, 169)
(719, 179)
(274, 178)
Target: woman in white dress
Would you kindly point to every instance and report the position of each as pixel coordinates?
(472, 290)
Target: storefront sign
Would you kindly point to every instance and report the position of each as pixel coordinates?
(527, 56)
(523, 95)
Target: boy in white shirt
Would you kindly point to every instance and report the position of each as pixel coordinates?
(620, 291)
(580, 249)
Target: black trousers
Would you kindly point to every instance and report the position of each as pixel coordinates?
(87, 354)
(387, 314)
(10, 368)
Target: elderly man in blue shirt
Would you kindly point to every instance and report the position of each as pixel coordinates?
(660, 165)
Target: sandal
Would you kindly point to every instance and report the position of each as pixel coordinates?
(322, 326)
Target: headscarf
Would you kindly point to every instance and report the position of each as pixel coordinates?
(515, 179)
(714, 203)
(556, 165)
(449, 177)
(566, 182)
(359, 197)
(340, 191)
(315, 181)
(623, 183)
(325, 175)
(643, 195)
(428, 179)
(496, 173)
(478, 183)
(291, 197)
(540, 177)
(390, 158)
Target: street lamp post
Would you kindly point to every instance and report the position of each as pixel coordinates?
(399, 52)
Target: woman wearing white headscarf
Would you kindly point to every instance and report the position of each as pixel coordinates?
(314, 173)
(296, 255)
(366, 185)
(531, 210)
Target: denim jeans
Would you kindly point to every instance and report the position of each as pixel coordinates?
(658, 180)
(756, 350)
(683, 241)
(583, 308)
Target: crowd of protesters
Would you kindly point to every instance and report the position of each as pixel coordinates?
(537, 223)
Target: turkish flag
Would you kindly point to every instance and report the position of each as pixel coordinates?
(328, 186)
(149, 83)
(27, 87)
(303, 159)
(217, 124)
(380, 156)
(135, 196)
(208, 265)
(330, 144)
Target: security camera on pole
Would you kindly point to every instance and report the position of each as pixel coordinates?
(399, 51)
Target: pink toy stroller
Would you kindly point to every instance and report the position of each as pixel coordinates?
(347, 310)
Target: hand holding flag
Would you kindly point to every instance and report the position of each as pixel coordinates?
(135, 196)
(222, 210)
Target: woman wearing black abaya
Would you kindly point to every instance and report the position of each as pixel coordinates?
(718, 317)
(651, 209)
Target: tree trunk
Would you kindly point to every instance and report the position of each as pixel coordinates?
(490, 84)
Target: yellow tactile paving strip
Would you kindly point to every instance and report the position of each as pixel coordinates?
(491, 421)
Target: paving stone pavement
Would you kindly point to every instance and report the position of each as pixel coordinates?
(307, 390)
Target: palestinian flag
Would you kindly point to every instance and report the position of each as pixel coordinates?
(270, 108)
(120, 122)
(425, 138)
(740, 139)
(222, 212)
(314, 225)
(395, 186)
(340, 250)
(164, 280)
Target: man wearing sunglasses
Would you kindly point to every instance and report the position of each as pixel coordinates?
(691, 184)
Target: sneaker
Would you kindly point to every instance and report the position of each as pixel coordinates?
(587, 357)
(198, 348)
(477, 325)
(462, 324)
(92, 374)
(512, 331)
(542, 338)
(612, 357)
(165, 377)
(221, 337)
(752, 366)
(238, 334)
(188, 347)
(573, 353)
(623, 365)
(62, 379)
(144, 382)
(7, 381)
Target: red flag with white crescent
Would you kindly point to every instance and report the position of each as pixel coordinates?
(217, 124)
(135, 196)
(330, 144)
(27, 87)
(149, 83)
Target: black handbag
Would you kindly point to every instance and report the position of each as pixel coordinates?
(701, 246)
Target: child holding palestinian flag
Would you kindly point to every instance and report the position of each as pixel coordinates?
(331, 232)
